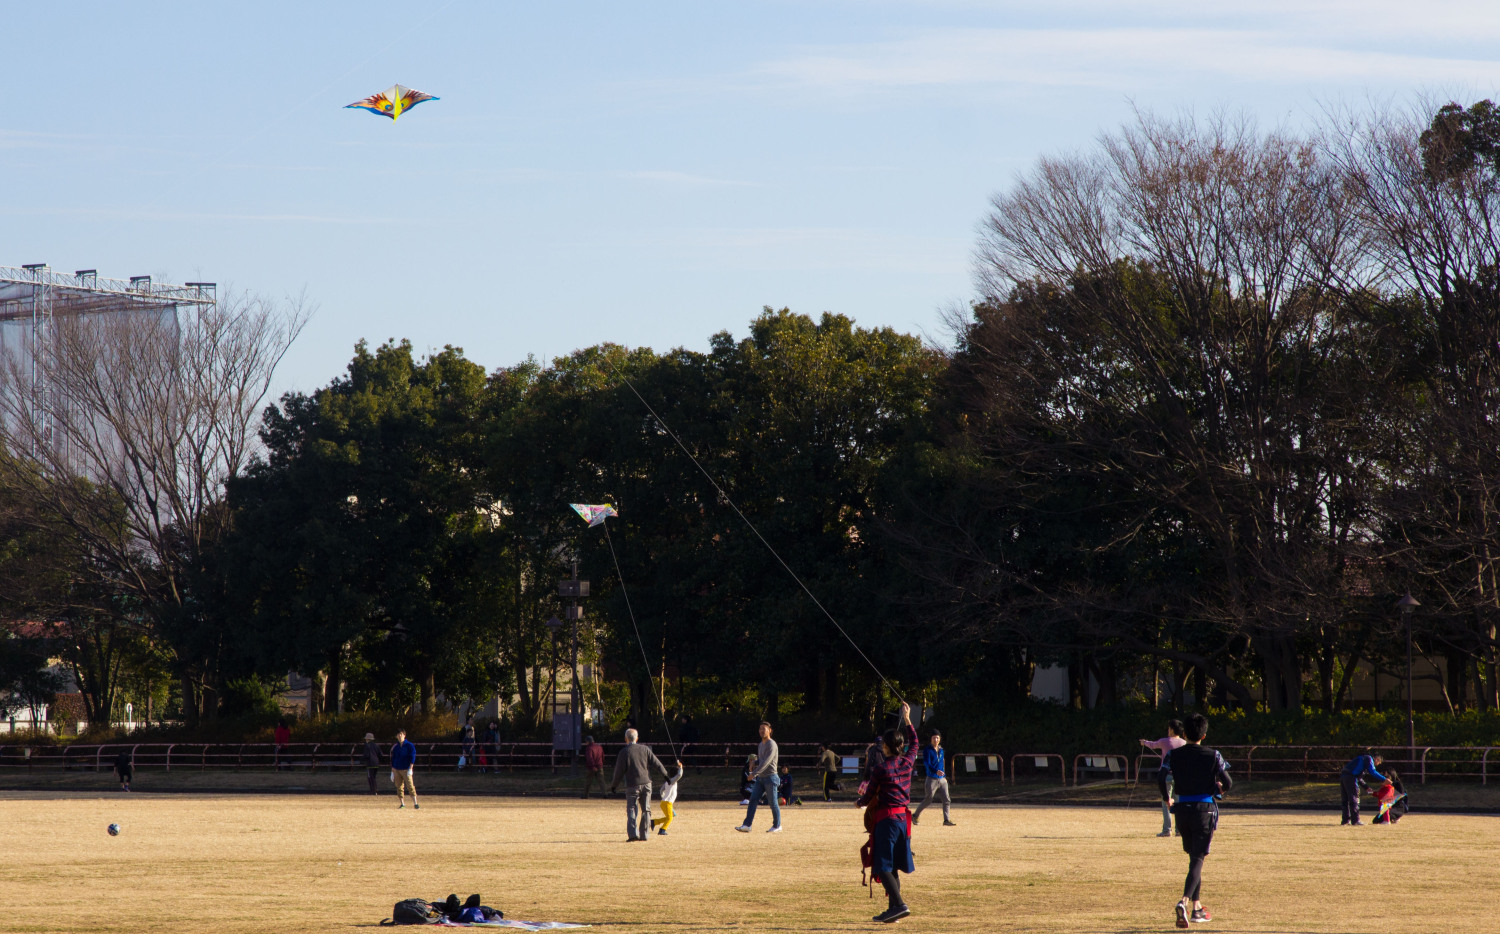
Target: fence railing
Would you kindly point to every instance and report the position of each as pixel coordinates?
(1259, 762)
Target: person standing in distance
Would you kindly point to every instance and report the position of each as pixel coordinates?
(937, 779)
(372, 760)
(125, 768)
(1200, 775)
(767, 782)
(633, 764)
(828, 761)
(403, 760)
(593, 762)
(1166, 744)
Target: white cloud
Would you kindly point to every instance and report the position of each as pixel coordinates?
(1109, 58)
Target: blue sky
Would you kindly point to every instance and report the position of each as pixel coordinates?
(640, 173)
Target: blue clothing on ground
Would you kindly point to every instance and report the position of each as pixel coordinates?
(892, 847)
(403, 755)
(1363, 765)
(932, 762)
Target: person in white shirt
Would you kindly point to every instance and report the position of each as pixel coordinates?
(668, 800)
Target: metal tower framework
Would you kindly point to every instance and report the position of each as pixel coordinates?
(37, 295)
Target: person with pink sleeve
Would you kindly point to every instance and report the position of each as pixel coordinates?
(1166, 744)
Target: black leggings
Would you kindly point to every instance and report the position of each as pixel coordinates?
(892, 888)
(1193, 887)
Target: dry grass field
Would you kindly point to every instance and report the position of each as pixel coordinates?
(289, 864)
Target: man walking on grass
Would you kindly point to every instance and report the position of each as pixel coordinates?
(767, 782)
(403, 760)
(1200, 776)
(633, 764)
(937, 779)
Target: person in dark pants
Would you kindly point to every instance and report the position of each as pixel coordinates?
(828, 762)
(1200, 776)
(888, 796)
(1353, 773)
(125, 768)
(372, 760)
(633, 766)
(593, 762)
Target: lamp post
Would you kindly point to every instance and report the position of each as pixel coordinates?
(1406, 604)
(573, 589)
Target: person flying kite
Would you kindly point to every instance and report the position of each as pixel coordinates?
(392, 102)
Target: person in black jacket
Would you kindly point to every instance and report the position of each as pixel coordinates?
(1201, 777)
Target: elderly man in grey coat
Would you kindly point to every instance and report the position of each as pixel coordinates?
(633, 765)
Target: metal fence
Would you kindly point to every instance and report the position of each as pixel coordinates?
(1274, 763)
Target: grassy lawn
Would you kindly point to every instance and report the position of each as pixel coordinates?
(316, 862)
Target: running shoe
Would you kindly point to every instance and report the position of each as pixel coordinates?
(892, 915)
(949, 823)
(776, 829)
(416, 805)
(743, 828)
(1182, 915)
(662, 832)
(744, 802)
(1165, 833)
(1202, 914)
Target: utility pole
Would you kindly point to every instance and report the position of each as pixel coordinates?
(1406, 604)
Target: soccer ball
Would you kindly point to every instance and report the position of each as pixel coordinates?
(114, 830)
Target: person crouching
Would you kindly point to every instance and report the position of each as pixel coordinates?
(888, 796)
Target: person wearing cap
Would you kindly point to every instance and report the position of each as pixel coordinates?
(372, 760)
(937, 779)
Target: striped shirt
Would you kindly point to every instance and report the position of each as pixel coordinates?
(890, 781)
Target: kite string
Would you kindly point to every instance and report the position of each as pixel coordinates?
(743, 518)
(638, 640)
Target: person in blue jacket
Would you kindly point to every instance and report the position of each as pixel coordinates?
(403, 759)
(1360, 768)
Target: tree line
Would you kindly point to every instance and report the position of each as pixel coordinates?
(1224, 394)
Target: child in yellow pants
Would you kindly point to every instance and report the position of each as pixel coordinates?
(667, 798)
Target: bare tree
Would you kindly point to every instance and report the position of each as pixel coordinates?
(150, 415)
(1162, 317)
(1426, 185)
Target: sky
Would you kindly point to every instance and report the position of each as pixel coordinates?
(646, 174)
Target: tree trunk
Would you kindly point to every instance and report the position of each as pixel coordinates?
(333, 688)
(428, 689)
(190, 699)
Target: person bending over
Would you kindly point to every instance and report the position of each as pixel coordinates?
(1351, 776)
(888, 796)
(1200, 776)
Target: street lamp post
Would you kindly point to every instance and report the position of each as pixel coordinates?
(1406, 604)
(573, 589)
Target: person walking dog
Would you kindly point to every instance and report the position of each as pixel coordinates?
(633, 765)
(937, 779)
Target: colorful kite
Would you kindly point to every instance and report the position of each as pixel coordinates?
(392, 102)
(594, 515)
(1387, 797)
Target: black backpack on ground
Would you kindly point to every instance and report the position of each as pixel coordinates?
(414, 911)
